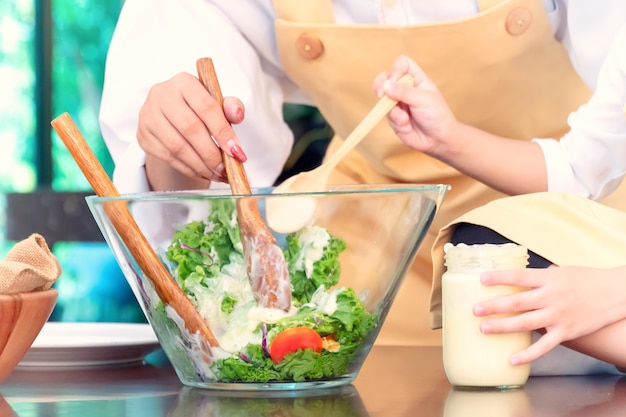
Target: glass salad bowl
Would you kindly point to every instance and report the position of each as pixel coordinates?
(341, 270)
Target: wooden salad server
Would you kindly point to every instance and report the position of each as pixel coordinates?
(267, 269)
(168, 291)
(286, 215)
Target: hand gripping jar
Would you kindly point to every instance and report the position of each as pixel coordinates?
(473, 359)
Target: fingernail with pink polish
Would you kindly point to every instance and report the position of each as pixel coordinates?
(221, 170)
(236, 151)
(239, 114)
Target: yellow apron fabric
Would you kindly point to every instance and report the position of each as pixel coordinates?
(563, 228)
(500, 70)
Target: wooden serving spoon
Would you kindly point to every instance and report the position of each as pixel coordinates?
(286, 215)
(267, 269)
(121, 218)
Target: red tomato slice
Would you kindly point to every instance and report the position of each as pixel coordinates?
(292, 340)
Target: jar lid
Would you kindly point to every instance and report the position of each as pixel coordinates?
(485, 249)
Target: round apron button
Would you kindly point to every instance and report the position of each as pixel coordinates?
(309, 47)
(518, 21)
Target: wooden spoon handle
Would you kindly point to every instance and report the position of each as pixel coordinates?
(130, 233)
(266, 267)
(373, 117)
(235, 172)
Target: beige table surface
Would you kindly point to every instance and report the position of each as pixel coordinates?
(395, 381)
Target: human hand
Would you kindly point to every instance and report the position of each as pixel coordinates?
(564, 302)
(181, 126)
(422, 119)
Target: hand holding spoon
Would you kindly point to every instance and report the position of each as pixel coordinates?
(286, 215)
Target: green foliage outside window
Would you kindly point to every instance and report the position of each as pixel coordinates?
(82, 32)
(17, 79)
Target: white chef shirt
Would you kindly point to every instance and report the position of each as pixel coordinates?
(156, 39)
(591, 159)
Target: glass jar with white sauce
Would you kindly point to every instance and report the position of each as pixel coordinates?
(473, 359)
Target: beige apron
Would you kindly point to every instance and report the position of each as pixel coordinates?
(500, 70)
(563, 228)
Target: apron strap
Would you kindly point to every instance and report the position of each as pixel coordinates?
(488, 4)
(305, 11)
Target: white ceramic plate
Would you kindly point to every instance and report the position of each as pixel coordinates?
(62, 344)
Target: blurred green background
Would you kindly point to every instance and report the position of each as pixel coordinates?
(73, 37)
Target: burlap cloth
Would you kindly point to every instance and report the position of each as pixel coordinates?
(29, 266)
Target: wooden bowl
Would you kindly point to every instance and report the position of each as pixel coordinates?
(21, 318)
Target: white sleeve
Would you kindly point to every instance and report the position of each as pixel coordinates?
(591, 159)
(157, 39)
(561, 176)
(586, 29)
